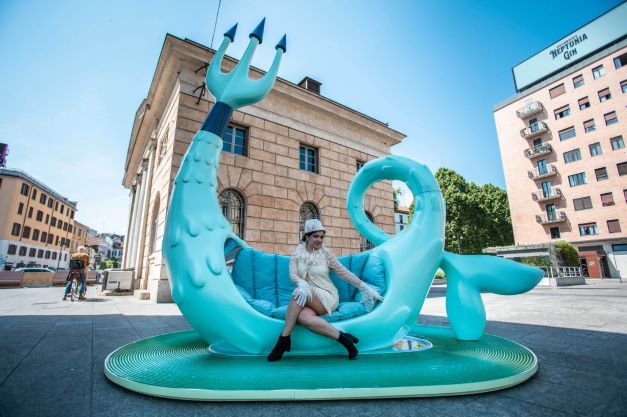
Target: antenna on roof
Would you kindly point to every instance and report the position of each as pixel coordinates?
(215, 24)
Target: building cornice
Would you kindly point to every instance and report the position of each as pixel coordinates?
(23, 175)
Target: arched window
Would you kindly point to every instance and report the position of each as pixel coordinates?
(308, 211)
(233, 208)
(365, 244)
(153, 226)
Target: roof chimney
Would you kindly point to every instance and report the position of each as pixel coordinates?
(310, 85)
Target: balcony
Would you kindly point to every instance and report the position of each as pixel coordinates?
(536, 174)
(534, 130)
(530, 109)
(548, 218)
(538, 151)
(541, 197)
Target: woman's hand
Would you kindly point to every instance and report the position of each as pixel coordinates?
(302, 293)
(368, 296)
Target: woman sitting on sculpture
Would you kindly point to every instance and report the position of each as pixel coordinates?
(315, 295)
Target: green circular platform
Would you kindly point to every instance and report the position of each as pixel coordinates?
(180, 365)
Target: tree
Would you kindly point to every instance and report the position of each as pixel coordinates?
(566, 254)
(397, 193)
(476, 216)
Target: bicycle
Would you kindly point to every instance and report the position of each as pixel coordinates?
(76, 285)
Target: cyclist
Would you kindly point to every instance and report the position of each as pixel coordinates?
(81, 255)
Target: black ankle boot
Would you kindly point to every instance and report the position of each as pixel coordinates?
(348, 341)
(284, 344)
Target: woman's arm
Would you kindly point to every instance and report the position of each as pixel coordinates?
(341, 270)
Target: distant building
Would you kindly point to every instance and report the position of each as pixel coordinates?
(562, 140)
(36, 222)
(401, 218)
(286, 159)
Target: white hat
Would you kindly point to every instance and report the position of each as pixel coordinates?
(313, 225)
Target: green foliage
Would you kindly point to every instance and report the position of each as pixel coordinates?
(439, 274)
(537, 261)
(109, 263)
(566, 254)
(397, 193)
(476, 216)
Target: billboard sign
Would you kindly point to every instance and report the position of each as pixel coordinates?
(600, 32)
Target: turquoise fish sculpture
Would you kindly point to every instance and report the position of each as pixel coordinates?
(197, 232)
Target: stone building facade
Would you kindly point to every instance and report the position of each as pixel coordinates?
(290, 157)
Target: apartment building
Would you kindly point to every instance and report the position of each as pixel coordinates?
(562, 142)
(36, 222)
(286, 159)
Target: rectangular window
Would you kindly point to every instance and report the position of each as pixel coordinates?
(572, 156)
(35, 234)
(23, 250)
(620, 61)
(50, 202)
(598, 72)
(587, 229)
(56, 242)
(578, 81)
(601, 174)
(47, 218)
(595, 149)
(584, 103)
(54, 256)
(47, 255)
(30, 212)
(12, 250)
(50, 238)
(42, 198)
(583, 203)
(561, 112)
(607, 199)
(25, 189)
(40, 215)
(359, 165)
(589, 126)
(613, 226)
(53, 222)
(623, 86)
(17, 228)
(32, 252)
(577, 179)
(308, 159)
(555, 232)
(622, 168)
(40, 253)
(72, 214)
(56, 206)
(557, 91)
(617, 143)
(26, 232)
(567, 133)
(34, 194)
(604, 95)
(44, 237)
(62, 208)
(20, 208)
(610, 118)
(235, 140)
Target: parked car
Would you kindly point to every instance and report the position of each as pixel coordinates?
(33, 269)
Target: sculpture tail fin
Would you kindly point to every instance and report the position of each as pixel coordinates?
(469, 275)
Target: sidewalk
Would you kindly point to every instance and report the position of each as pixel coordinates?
(52, 355)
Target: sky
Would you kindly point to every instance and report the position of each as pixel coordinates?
(72, 74)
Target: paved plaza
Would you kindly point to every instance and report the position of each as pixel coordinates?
(52, 354)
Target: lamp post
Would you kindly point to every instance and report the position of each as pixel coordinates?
(60, 250)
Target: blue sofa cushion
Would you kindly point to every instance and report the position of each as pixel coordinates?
(263, 281)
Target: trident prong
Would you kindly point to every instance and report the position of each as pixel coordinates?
(235, 88)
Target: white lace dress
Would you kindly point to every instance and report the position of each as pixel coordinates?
(313, 267)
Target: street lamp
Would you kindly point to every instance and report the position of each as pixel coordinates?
(61, 250)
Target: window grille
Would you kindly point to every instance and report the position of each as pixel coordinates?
(233, 209)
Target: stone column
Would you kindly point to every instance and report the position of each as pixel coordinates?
(135, 230)
(127, 242)
(139, 268)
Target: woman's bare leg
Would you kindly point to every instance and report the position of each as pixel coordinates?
(309, 317)
(291, 317)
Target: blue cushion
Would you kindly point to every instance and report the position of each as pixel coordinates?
(263, 281)
(285, 287)
(243, 270)
(264, 271)
(374, 275)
